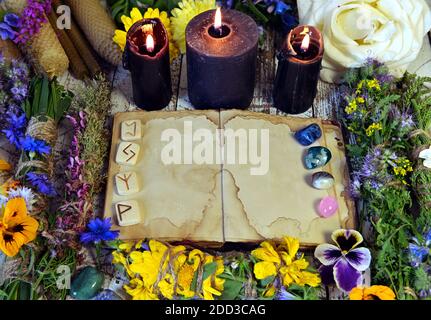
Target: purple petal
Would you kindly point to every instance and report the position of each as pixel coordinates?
(327, 254)
(359, 258)
(346, 277)
(327, 274)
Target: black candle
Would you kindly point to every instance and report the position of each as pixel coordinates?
(221, 59)
(147, 57)
(299, 65)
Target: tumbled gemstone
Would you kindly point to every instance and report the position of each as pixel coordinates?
(86, 284)
(322, 180)
(327, 207)
(308, 135)
(317, 157)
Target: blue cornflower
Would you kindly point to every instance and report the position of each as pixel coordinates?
(419, 250)
(41, 183)
(12, 20)
(14, 137)
(16, 121)
(284, 295)
(6, 32)
(31, 144)
(99, 230)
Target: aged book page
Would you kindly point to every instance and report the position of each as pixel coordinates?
(176, 201)
(281, 202)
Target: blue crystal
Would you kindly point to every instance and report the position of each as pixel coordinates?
(317, 157)
(107, 295)
(309, 134)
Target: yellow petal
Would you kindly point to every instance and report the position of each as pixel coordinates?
(4, 166)
(128, 22)
(264, 269)
(120, 38)
(15, 209)
(292, 245)
(266, 253)
(136, 15)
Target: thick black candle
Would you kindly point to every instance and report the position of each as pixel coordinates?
(147, 57)
(298, 71)
(221, 59)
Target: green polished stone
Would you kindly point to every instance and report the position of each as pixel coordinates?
(317, 157)
(86, 284)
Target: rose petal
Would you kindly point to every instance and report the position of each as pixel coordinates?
(425, 154)
(359, 258)
(346, 277)
(347, 239)
(327, 254)
(427, 163)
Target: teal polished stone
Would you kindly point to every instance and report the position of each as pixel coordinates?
(86, 284)
(317, 157)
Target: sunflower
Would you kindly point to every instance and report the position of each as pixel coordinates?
(181, 17)
(16, 227)
(372, 293)
(120, 36)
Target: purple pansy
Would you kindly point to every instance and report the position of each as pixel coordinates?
(343, 263)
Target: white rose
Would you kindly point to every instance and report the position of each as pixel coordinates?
(391, 31)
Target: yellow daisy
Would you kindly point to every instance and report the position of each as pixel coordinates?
(181, 17)
(135, 16)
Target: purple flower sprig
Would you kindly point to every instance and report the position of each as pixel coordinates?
(31, 20)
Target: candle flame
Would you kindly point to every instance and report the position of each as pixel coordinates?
(305, 43)
(150, 43)
(217, 19)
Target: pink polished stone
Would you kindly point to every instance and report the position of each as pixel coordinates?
(327, 207)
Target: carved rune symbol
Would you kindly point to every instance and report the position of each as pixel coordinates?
(127, 152)
(122, 209)
(131, 133)
(125, 179)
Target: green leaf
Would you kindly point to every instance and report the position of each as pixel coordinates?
(209, 269)
(44, 97)
(194, 284)
(231, 290)
(267, 281)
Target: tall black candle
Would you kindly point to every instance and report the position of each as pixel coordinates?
(147, 57)
(221, 59)
(299, 65)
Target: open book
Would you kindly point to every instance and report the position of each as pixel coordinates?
(214, 177)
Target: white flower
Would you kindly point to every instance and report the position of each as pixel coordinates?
(3, 201)
(391, 31)
(26, 194)
(426, 155)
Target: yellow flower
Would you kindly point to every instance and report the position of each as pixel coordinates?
(120, 36)
(373, 128)
(181, 16)
(139, 291)
(16, 227)
(372, 293)
(352, 107)
(360, 100)
(285, 263)
(126, 246)
(213, 285)
(166, 287)
(270, 261)
(373, 84)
